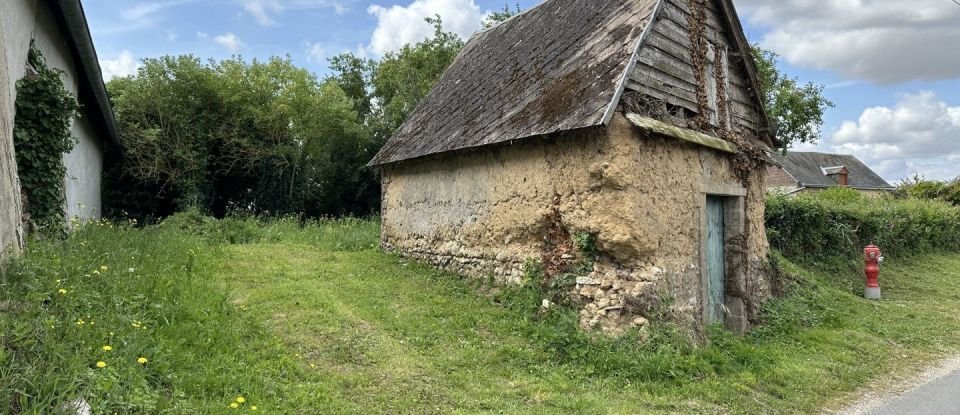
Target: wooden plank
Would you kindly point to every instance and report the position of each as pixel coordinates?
(673, 31)
(680, 11)
(662, 128)
(653, 78)
(670, 46)
(667, 64)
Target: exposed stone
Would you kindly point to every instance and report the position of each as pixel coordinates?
(587, 281)
(588, 292)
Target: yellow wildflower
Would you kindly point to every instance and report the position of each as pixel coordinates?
(234, 405)
(62, 291)
(103, 268)
(253, 408)
(80, 322)
(101, 364)
(58, 282)
(107, 348)
(241, 399)
(142, 360)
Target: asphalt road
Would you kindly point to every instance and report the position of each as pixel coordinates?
(939, 397)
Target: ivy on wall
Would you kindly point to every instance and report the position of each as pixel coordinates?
(41, 134)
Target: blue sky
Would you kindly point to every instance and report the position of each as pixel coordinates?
(889, 66)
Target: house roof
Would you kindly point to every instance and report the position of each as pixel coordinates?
(559, 66)
(73, 24)
(812, 170)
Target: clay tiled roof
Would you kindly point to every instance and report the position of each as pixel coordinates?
(559, 66)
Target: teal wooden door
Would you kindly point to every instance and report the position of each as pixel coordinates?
(715, 260)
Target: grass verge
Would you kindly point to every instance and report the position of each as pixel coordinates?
(315, 320)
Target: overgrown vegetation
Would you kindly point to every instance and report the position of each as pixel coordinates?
(833, 226)
(254, 137)
(311, 318)
(263, 137)
(41, 136)
(920, 188)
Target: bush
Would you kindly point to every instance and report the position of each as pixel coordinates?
(836, 224)
(919, 188)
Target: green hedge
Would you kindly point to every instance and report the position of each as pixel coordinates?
(835, 225)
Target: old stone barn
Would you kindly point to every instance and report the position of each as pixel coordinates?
(634, 122)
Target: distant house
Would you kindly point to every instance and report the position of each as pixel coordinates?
(624, 120)
(808, 171)
(58, 28)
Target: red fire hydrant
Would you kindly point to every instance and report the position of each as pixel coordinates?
(873, 258)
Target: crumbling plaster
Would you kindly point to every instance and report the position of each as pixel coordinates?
(485, 212)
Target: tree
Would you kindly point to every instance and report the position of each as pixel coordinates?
(355, 76)
(500, 16)
(797, 109)
(259, 137)
(403, 78)
(167, 115)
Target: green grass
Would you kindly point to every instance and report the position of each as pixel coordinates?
(315, 320)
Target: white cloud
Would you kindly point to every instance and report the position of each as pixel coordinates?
(139, 16)
(261, 10)
(123, 65)
(399, 25)
(229, 41)
(316, 52)
(264, 11)
(879, 41)
(142, 10)
(171, 35)
(920, 134)
(202, 35)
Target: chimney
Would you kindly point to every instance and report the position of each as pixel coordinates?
(842, 177)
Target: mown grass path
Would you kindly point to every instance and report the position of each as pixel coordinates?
(387, 337)
(376, 334)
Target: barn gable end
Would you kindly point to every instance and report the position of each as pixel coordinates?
(674, 84)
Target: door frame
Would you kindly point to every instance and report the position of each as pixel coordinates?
(734, 226)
